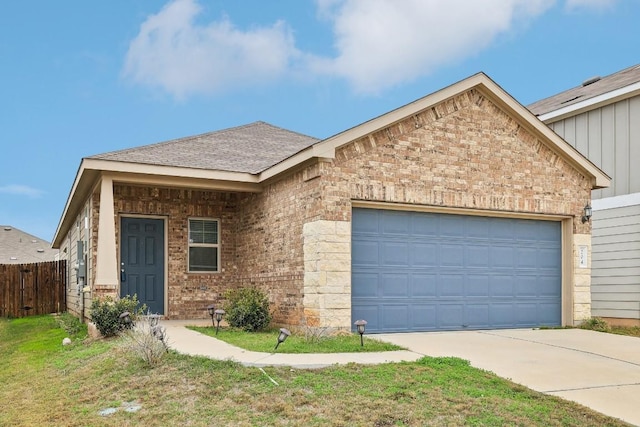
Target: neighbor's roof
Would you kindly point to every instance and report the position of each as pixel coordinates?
(250, 148)
(18, 247)
(590, 94)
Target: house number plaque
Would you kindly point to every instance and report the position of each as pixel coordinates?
(583, 255)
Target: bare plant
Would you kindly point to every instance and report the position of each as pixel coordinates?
(147, 340)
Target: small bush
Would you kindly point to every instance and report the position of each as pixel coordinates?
(71, 324)
(105, 313)
(596, 324)
(247, 309)
(147, 341)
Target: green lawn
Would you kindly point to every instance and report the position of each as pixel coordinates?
(265, 341)
(46, 384)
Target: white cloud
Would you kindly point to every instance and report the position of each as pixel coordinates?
(378, 43)
(182, 57)
(597, 5)
(381, 43)
(21, 190)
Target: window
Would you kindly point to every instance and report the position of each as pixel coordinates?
(204, 245)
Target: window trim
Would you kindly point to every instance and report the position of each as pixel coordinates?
(203, 245)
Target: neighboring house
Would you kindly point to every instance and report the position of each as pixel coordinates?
(460, 210)
(18, 247)
(601, 118)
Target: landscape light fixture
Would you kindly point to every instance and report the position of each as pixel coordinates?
(586, 213)
(218, 315)
(126, 318)
(284, 333)
(361, 326)
(212, 311)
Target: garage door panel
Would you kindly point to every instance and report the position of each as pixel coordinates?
(394, 285)
(477, 285)
(450, 316)
(526, 286)
(394, 222)
(451, 255)
(477, 315)
(365, 252)
(424, 285)
(451, 285)
(502, 315)
(424, 254)
(428, 271)
(502, 256)
(501, 286)
(424, 316)
(395, 317)
(364, 285)
(477, 255)
(425, 225)
(395, 254)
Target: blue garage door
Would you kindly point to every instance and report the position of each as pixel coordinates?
(415, 271)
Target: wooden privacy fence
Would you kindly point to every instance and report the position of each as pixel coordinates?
(31, 289)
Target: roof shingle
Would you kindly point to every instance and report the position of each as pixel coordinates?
(18, 247)
(581, 93)
(250, 148)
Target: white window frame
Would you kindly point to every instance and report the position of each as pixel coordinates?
(203, 245)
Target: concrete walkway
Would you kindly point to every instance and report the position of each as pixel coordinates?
(600, 371)
(190, 342)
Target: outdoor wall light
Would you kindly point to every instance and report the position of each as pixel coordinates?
(586, 213)
(284, 333)
(212, 311)
(218, 315)
(361, 326)
(126, 318)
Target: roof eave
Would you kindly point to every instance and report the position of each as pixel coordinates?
(91, 170)
(591, 103)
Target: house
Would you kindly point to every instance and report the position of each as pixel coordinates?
(460, 210)
(19, 247)
(601, 118)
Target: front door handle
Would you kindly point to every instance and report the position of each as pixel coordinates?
(123, 275)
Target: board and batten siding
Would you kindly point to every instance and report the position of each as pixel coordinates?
(615, 257)
(609, 136)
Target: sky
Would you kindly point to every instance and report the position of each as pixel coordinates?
(79, 78)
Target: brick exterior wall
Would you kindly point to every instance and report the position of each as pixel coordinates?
(463, 153)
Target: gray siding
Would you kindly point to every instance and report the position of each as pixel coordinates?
(610, 137)
(615, 263)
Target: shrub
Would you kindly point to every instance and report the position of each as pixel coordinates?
(105, 313)
(147, 341)
(596, 324)
(247, 309)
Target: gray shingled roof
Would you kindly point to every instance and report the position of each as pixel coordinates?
(581, 93)
(18, 247)
(250, 148)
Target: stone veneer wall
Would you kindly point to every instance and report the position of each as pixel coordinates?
(463, 153)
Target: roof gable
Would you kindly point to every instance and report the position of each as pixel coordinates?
(250, 148)
(484, 85)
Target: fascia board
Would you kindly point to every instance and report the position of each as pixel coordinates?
(591, 103)
(91, 169)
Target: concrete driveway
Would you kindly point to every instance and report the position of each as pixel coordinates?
(598, 370)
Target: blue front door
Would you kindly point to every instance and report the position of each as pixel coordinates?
(142, 261)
